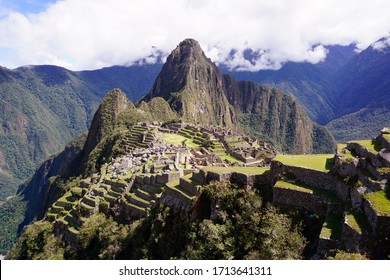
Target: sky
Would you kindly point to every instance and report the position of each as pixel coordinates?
(91, 34)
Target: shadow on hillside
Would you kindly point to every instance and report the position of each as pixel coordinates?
(377, 145)
(329, 163)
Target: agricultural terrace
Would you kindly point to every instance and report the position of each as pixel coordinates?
(380, 201)
(307, 189)
(243, 170)
(322, 162)
(176, 139)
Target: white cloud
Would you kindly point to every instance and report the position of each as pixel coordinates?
(90, 34)
(382, 45)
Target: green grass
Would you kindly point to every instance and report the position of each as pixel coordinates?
(369, 144)
(384, 170)
(230, 159)
(176, 139)
(358, 221)
(341, 146)
(297, 187)
(173, 184)
(322, 162)
(380, 202)
(332, 227)
(245, 170)
(333, 198)
(386, 136)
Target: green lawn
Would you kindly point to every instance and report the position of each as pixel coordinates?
(386, 136)
(230, 158)
(176, 139)
(358, 221)
(380, 201)
(245, 170)
(323, 162)
(369, 144)
(307, 189)
(297, 187)
(341, 146)
(173, 184)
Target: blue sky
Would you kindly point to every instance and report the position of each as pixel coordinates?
(91, 34)
(25, 6)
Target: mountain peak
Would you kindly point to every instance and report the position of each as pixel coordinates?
(106, 118)
(193, 86)
(189, 48)
(382, 45)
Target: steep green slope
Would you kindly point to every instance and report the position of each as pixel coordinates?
(365, 80)
(363, 124)
(38, 193)
(40, 112)
(267, 113)
(44, 107)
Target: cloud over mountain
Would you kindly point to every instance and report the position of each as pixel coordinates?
(91, 34)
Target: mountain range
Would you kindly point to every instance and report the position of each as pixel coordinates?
(348, 92)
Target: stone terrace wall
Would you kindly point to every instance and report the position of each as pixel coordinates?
(242, 180)
(314, 178)
(385, 144)
(177, 200)
(299, 199)
(381, 228)
(353, 241)
(371, 214)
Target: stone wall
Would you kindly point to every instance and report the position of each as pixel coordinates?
(371, 215)
(361, 151)
(352, 240)
(385, 144)
(326, 246)
(128, 213)
(176, 199)
(299, 199)
(220, 177)
(199, 176)
(242, 180)
(188, 187)
(314, 178)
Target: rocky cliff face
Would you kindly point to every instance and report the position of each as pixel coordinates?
(42, 189)
(193, 86)
(268, 113)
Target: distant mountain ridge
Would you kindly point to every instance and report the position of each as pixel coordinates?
(348, 92)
